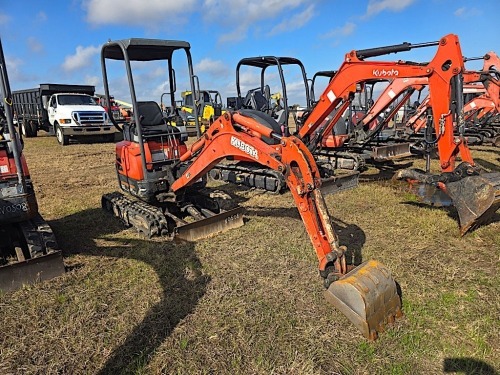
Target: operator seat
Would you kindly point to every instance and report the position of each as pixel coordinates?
(256, 100)
(266, 120)
(152, 121)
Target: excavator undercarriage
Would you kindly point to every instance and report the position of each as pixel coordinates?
(28, 248)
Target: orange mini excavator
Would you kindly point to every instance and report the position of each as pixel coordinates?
(167, 179)
(476, 196)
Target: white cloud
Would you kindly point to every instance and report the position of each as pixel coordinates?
(150, 13)
(4, 19)
(239, 15)
(13, 66)
(93, 80)
(295, 22)
(18, 77)
(212, 67)
(465, 12)
(377, 6)
(34, 45)
(41, 16)
(345, 30)
(459, 12)
(81, 58)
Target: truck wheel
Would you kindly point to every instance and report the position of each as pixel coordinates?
(26, 129)
(61, 138)
(34, 128)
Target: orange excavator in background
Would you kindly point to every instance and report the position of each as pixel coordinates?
(28, 248)
(260, 99)
(476, 197)
(168, 180)
(482, 104)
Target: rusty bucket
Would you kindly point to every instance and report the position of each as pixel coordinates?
(368, 297)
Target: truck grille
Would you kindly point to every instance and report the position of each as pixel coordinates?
(89, 118)
(117, 115)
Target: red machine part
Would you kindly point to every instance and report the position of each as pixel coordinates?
(290, 156)
(446, 64)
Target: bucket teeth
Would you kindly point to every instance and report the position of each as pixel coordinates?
(368, 297)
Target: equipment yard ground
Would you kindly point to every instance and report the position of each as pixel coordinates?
(247, 301)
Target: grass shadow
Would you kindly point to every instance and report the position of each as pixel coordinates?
(468, 366)
(349, 235)
(451, 211)
(176, 265)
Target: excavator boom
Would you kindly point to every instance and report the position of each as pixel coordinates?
(444, 76)
(370, 306)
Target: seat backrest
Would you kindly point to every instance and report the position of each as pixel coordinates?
(260, 102)
(150, 113)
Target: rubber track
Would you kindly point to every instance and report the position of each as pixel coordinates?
(39, 237)
(127, 209)
(359, 162)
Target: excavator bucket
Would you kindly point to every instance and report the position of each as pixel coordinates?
(368, 297)
(475, 196)
(476, 199)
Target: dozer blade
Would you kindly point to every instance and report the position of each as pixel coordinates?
(476, 199)
(336, 184)
(214, 224)
(45, 267)
(390, 152)
(368, 297)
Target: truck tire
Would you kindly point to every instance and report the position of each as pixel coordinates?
(62, 139)
(26, 129)
(34, 128)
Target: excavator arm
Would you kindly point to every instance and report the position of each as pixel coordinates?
(446, 66)
(392, 92)
(289, 156)
(240, 135)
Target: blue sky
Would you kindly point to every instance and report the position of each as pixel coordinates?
(60, 41)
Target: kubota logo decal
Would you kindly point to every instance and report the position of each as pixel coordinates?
(247, 149)
(385, 73)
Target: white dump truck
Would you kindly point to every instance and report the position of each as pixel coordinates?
(65, 111)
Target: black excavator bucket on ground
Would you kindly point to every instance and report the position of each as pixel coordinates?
(475, 196)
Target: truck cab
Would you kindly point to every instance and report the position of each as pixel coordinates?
(76, 114)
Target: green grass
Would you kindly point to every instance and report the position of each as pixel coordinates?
(248, 301)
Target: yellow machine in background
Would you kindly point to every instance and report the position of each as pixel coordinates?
(209, 105)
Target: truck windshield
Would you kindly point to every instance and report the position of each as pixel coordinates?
(75, 100)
